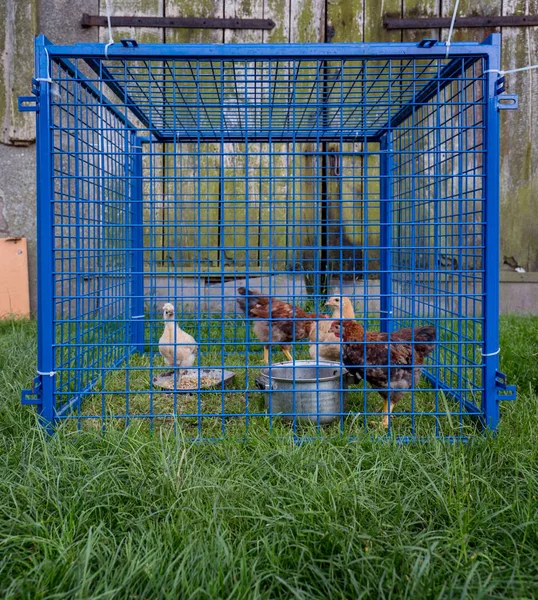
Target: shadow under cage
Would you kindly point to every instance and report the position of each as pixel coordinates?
(300, 204)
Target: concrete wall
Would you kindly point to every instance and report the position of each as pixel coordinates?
(297, 21)
(519, 293)
(23, 19)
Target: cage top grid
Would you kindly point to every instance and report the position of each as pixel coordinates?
(274, 93)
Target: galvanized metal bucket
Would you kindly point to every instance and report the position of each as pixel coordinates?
(311, 391)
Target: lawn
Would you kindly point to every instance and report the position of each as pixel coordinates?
(132, 514)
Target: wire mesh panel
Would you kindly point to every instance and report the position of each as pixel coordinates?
(278, 238)
(91, 176)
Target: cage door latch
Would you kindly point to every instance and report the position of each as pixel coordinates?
(33, 396)
(504, 391)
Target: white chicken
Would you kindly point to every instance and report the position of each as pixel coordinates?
(177, 347)
(320, 331)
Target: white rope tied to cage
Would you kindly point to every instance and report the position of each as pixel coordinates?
(451, 27)
(46, 373)
(491, 353)
(502, 73)
(111, 41)
(54, 89)
(48, 78)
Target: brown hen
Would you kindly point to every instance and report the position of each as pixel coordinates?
(277, 321)
(366, 354)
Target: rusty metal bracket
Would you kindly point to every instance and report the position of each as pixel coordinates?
(176, 22)
(441, 22)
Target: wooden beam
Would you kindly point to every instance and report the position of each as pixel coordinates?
(434, 22)
(177, 22)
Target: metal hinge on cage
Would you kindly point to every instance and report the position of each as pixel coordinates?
(33, 396)
(504, 391)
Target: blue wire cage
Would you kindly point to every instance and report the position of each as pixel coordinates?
(183, 173)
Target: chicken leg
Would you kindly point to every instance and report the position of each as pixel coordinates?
(266, 354)
(288, 354)
(387, 410)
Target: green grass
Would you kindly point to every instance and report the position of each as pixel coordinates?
(135, 515)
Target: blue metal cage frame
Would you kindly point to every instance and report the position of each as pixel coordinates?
(179, 173)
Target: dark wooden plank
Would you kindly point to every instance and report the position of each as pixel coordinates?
(177, 22)
(468, 22)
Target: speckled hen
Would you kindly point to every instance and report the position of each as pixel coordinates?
(366, 354)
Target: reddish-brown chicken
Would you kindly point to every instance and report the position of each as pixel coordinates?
(366, 354)
(277, 321)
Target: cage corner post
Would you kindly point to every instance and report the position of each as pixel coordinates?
(385, 233)
(491, 243)
(45, 240)
(137, 248)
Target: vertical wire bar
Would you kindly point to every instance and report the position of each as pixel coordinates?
(463, 173)
(439, 107)
(45, 241)
(385, 209)
(415, 210)
(177, 210)
(137, 248)
(153, 249)
(365, 229)
(77, 200)
(247, 216)
(198, 253)
(339, 177)
(149, 254)
(490, 328)
(101, 249)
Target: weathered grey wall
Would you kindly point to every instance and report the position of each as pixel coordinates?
(23, 19)
(296, 21)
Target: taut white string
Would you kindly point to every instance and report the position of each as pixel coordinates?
(502, 73)
(451, 27)
(110, 37)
